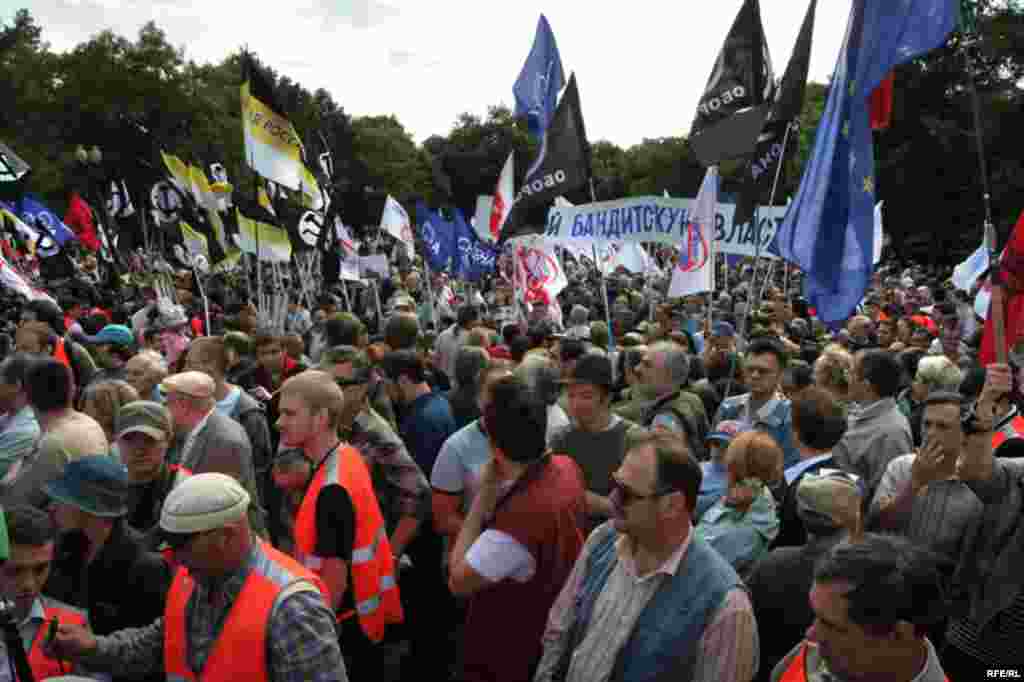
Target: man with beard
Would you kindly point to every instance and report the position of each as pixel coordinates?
(102, 565)
(664, 373)
(647, 598)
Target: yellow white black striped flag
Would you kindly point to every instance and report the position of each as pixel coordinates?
(272, 147)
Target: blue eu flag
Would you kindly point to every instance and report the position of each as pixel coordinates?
(536, 90)
(829, 227)
(438, 237)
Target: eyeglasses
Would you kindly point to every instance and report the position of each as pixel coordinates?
(629, 496)
(751, 370)
(349, 383)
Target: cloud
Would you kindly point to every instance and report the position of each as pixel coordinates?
(640, 71)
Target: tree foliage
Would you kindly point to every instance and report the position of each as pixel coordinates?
(133, 96)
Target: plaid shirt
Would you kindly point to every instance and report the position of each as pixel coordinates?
(302, 643)
(394, 471)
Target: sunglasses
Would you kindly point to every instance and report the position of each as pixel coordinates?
(348, 383)
(628, 496)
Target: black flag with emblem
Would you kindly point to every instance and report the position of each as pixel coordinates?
(564, 168)
(773, 144)
(733, 108)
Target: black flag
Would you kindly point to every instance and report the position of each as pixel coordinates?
(565, 167)
(732, 110)
(773, 145)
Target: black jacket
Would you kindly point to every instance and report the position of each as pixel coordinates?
(125, 586)
(779, 585)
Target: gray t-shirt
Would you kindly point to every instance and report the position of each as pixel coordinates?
(458, 464)
(941, 513)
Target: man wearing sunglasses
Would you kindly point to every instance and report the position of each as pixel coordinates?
(647, 599)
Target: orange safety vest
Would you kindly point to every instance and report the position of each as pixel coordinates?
(797, 670)
(1014, 429)
(42, 665)
(245, 628)
(373, 585)
(60, 353)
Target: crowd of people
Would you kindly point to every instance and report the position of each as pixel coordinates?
(447, 486)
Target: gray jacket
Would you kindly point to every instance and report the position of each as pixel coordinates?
(874, 436)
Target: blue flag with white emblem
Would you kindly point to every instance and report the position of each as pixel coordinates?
(438, 237)
(36, 215)
(541, 79)
(474, 258)
(829, 228)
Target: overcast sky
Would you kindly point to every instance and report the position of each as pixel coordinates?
(641, 65)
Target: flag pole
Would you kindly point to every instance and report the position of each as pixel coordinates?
(430, 296)
(757, 229)
(604, 284)
(995, 271)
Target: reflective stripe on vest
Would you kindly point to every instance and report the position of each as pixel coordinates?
(60, 354)
(373, 586)
(244, 629)
(42, 665)
(797, 670)
(1013, 429)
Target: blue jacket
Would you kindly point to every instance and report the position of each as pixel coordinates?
(775, 419)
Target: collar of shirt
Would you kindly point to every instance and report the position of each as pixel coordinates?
(624, 549)
(1007, 418)
(187, 443)
(36, 614)
(226, 588)
(872, 410)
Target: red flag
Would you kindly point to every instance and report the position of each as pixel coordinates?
(881, 103)
(79, 219)
(1012, 270)
(503, 195)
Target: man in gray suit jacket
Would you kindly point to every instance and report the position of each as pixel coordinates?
(205, 440)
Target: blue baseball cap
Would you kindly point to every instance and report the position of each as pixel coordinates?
(113, 334)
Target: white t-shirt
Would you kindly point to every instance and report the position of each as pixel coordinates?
(497, 555)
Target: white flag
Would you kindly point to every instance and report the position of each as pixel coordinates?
(695, 270)
(633, 258)
(504, 193)
(540, 267)
(482, 217)
(968, 272)
(879, 234)
(395, 221)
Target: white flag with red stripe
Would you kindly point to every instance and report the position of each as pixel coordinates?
(503, 197)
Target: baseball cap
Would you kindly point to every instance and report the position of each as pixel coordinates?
(201, 503)
(829, 497)
(144, 416)
(723, 330)
(361, 365)
(725, 431)
(592, 369)
(193, 384)
(96, 484)
(114, 334)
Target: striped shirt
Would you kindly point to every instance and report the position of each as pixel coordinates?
(728, 650)
(940, 514)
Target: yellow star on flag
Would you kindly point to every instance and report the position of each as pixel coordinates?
(869, 184)
(853, 86)
(846, 129)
